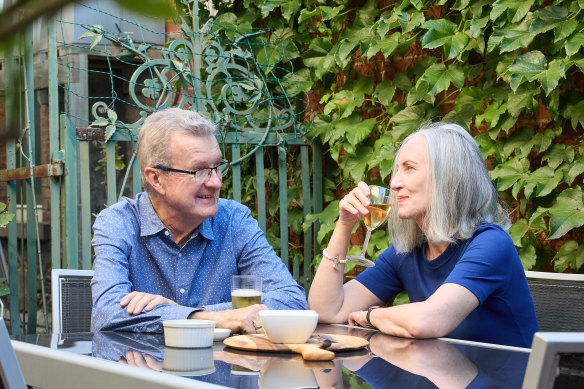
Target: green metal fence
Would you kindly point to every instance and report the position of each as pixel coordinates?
(238, 80)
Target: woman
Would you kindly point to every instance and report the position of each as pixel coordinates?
(450, 251)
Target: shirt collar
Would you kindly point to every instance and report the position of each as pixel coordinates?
(150, 223)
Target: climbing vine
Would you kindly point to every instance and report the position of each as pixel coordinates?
(510, 71)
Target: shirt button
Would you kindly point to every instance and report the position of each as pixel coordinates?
(179, 255)
(166, 233)
(182, 290)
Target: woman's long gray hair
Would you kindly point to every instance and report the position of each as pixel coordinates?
(462, 194)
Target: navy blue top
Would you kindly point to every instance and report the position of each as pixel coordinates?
(487, 264)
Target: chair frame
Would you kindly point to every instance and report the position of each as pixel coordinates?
(10, 373)
(57, 303)
(560, 320)
(543, 362)
(549, 276)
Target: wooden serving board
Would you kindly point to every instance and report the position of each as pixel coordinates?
(311, 351)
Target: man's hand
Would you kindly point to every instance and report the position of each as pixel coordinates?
(244, 320)
(138, 301)
(146, 361)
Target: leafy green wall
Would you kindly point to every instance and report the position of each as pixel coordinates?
(508, 70)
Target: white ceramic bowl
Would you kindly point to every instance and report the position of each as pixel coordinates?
(288, 326)
(286, 374)
(188, 361)
(220, 334)
(188, 333)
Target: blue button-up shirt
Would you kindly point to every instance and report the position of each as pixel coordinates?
(134, 251)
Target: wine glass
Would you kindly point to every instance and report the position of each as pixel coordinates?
(381, 202)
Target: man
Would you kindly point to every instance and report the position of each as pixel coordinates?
(170, 252)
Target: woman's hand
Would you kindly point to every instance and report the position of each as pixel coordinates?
(353, 206)
(138, 301)
(359, 318)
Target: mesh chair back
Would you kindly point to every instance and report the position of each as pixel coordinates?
(559, 305)
(72, 301)
(75, 304)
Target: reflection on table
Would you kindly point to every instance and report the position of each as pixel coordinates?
(389, 362)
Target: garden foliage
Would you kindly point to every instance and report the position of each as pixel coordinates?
(511, 71)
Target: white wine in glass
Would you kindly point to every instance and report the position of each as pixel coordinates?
(381, 203)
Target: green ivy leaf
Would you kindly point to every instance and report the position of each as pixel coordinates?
(420, 93)
(577, 114)
(440, 32)
(575, 169)
(472, 96)
(509, 172)
(4, 290)
(305, 14)
(528, 256)
(444, 33)
(571, 255)
(553, 17)
(346, 49)
(378, 242)
(543, 141)
(515, 9)
(520, 142)
(533, 66)
(384, 92)
(574, 43)
(356, 132)
(345, 101)
(327, 219)
(492, 114)
(319, 57)
(409, 21)
(385, 45)
(522, 99)
(402, 82)
(298, 82)
(462, 117)
(5, 218)
(477, 25)
(510, 39)
(486, 145)
(518, 231)
(439, 77)
(566, 213)
(327, 13)
(356, 164)
(407, 121)
(557, 154)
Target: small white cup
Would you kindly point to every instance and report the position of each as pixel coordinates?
(188, 333)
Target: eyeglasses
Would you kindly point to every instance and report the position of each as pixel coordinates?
(200, 175)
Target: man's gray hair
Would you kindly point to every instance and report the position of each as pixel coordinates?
(462, 194)
(155, 135)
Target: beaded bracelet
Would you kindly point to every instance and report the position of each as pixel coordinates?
(336, 260)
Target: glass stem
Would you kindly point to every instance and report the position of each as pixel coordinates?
(365, 243)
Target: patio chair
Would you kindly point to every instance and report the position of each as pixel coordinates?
(556, 361)
(558, 299)
(10, 374)
(71, 291)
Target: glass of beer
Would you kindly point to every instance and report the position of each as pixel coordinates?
(246, 290)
